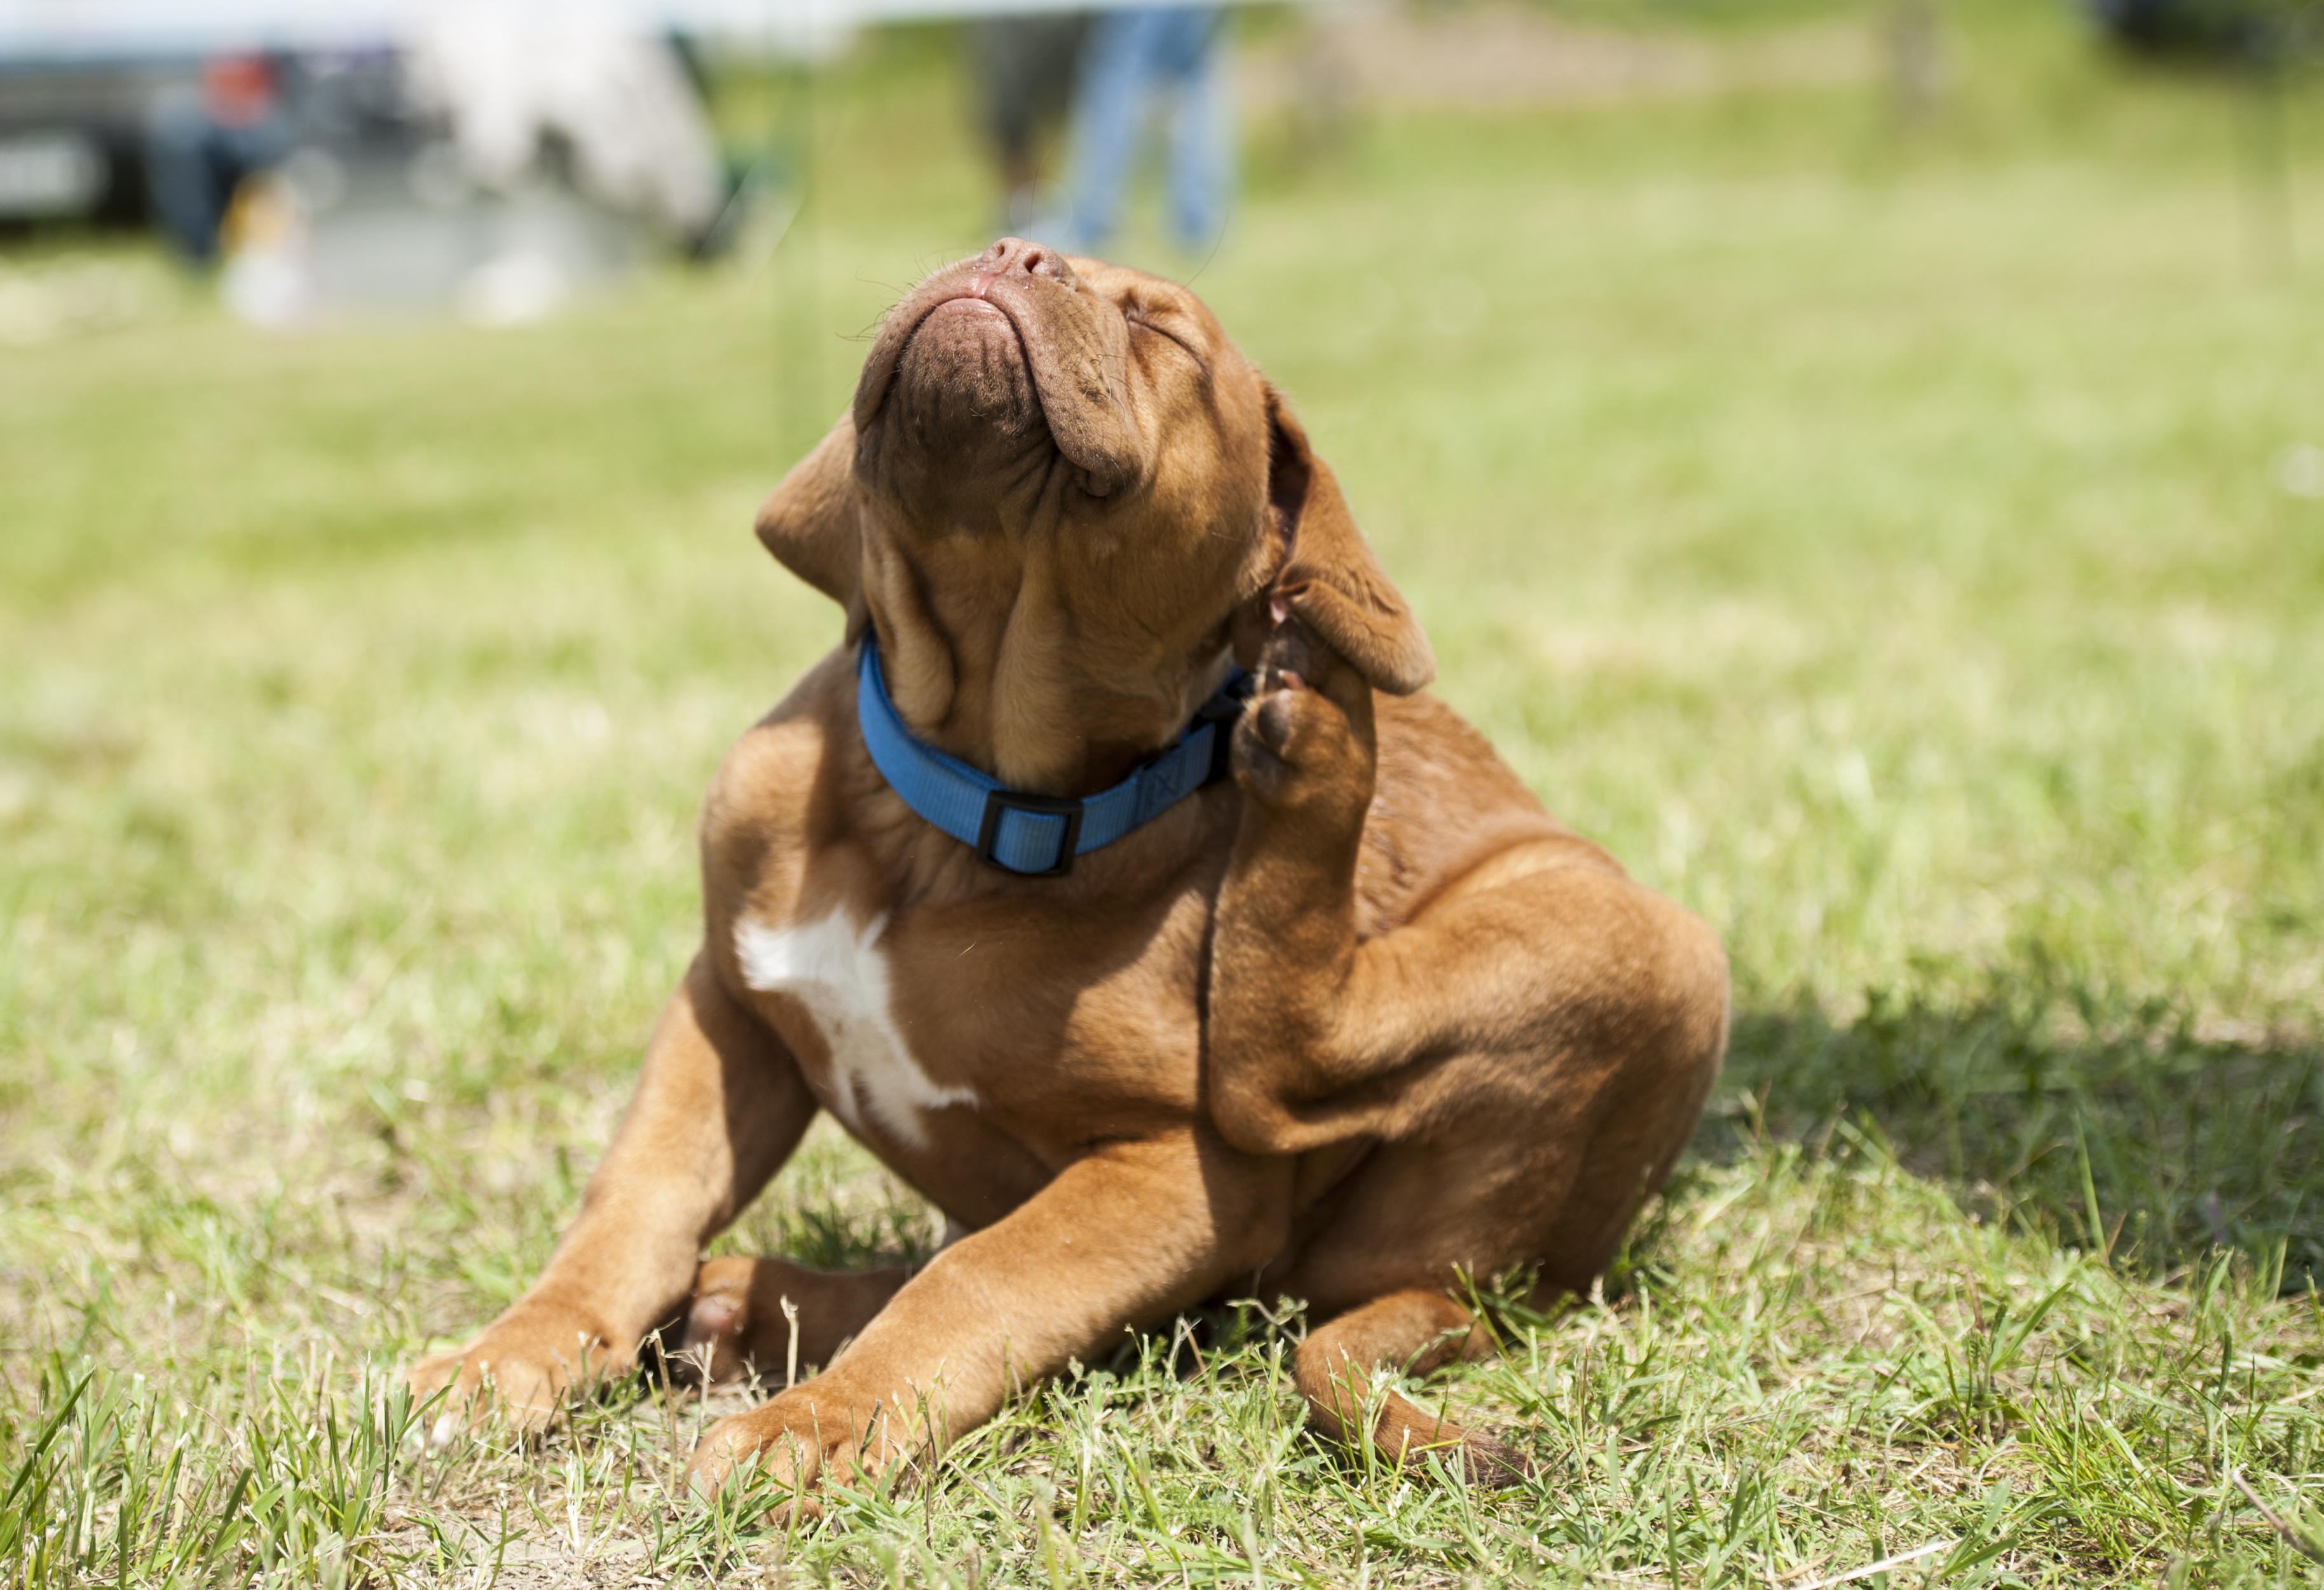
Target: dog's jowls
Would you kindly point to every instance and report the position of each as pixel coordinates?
(1357, 1021)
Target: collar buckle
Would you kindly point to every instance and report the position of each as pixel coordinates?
(999, 801)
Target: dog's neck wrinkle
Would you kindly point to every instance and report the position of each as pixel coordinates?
(1082, 750)
(987, 662)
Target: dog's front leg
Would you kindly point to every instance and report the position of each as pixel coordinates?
(1125, 1237)
(1284, 949)
(720, 1106)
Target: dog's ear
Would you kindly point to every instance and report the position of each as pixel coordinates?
(813, 522)
(1330, 578)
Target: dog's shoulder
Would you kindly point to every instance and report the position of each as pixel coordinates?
(782, 790)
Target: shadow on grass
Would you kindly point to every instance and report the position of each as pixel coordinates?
(2126, 1127)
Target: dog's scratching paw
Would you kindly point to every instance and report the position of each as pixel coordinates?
(1301, 743)
(1290, 652)
(1296, 747)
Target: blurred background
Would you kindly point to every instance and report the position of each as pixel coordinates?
(330, 158)
(1861, 460)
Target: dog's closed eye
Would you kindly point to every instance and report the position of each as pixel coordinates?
(1142, 318)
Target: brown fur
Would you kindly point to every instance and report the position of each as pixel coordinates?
(1361, 1019)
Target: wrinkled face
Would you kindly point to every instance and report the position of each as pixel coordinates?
(1065, 465)
(1059, 498)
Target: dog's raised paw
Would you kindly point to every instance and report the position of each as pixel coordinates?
(1296, 747)
(1307, 739)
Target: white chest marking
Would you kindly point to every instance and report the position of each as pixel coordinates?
(841, 978)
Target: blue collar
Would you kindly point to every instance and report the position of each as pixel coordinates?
(1035, 835)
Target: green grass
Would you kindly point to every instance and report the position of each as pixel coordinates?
(1876, 540)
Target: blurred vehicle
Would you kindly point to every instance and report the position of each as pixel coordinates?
(72, 137)
(496, 162)
(495, 159)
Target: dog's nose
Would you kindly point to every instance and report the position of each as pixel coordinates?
(1013, 256)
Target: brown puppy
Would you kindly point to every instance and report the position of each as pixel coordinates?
(1357, 1019)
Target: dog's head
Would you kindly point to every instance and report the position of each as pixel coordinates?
(1064, 500)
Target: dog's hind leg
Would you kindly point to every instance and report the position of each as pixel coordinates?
(777, 1316)
(1415, 1332)
(1594, 1010)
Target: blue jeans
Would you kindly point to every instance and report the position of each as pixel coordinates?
(1129, 59)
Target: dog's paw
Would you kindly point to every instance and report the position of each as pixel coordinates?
(812, 1435)
(1305, 741)
(523, 1366)
(716, 1345)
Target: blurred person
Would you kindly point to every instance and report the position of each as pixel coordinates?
(1134, 58)
(203, 142)
(1024, 68)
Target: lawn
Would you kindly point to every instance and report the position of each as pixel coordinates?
(1889, 541)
